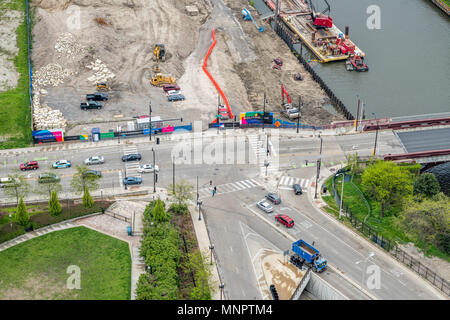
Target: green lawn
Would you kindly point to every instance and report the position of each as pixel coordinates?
(15, 117)
(37, 268)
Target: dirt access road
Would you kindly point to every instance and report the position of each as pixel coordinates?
(241, 61)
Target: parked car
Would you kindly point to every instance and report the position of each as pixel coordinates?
(61, 164)
(90, 105)
(92, 173)
(172, 92)
(132, 180)
(94, 160)
(5, 181)
(30, 165)
(47, 178)
(285, 220)
(273, 198)
(175, 97)
(169, 87)
(265, 206)
(297, 189)
(224, 113)
(131, 157)
(147, 168)
(98, 96)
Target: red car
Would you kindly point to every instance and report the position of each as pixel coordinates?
(169, 87)
(30, 165)
(284, 219)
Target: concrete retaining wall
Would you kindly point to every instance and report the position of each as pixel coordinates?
(322, 290)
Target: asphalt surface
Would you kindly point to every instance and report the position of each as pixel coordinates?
(425, 140)
(231, 214)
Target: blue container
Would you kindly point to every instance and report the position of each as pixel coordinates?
(129, 230)
(95, 134)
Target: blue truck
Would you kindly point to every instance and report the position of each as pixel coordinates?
(305, 253)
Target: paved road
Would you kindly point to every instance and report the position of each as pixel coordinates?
(424, 140)
(231, 213)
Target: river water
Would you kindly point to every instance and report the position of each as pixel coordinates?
(408, 59)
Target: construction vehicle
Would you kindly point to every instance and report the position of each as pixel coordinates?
(102, 86)
(320, 20)
(304, 253)
(159, 53)
(288, 110)
(159, 80)
(247, 16)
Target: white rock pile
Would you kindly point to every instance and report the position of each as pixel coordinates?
(44, 117)
(66, 46)
(51, 75)
(101, 72)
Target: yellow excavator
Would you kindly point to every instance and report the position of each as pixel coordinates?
(102, 86)
(159, 80)
(159, 53)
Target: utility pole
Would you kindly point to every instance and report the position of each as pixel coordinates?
(264, 112)
(173, 174)
(154, 172)
(342, 196)
(319, 161)
(218, 114)
(197, 190)
(357, 113)
(150, 118)
(299, 110)
(376, 138)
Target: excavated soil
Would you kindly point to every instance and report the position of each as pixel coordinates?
(122, 34)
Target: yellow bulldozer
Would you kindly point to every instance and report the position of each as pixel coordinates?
(102, 86)
(159, 80)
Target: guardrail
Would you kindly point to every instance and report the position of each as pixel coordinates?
(389, 245)
(413, 155)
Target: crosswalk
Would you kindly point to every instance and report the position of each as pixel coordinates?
(259, 147)
(131, 168)
(288, 181)
(229, 187)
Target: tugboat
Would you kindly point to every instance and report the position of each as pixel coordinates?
(356, 62)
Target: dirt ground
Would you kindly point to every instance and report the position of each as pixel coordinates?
(9, 21)
(241, 62)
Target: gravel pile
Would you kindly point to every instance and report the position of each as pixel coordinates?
(51, 75)
(67, 47)
(44, 117)
(101, 72)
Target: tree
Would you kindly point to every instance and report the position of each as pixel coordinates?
(197, 264)
(183, 192)
(47, 188)
(427, 185)
(159, 212)
(22, 216)
(54, 206)
(427, 220)
(82, 181)
(88, 202)
(17, 188)
(386, 182)
(355, 166)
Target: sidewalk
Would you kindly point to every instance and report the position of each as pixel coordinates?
(204, 244)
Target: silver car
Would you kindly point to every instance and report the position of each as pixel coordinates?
(265, 206)
(94, 160)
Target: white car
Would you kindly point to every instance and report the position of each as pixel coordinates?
(265, 206)
(147, 168)
(172, 92)
(94, 160)
(61, 164)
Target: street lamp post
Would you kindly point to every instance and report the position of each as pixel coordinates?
(365, 265)
(319, 161)
(173, 174)
(154, 172)
(264, 112)
(211, 247)
(10, 220)
(342, 196)
(376, 137)
(199, 204)
(221, 286)
(150, 118)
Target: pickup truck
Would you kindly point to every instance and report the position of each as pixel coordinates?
(90, 105)
(291, 113)
(305, 253)
(97, 96)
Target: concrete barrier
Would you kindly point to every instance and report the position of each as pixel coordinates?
(322, 290)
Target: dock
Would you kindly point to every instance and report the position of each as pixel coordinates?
(324, 43)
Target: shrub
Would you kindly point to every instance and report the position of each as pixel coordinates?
(88, 202)
(22, 216)
(54, 206)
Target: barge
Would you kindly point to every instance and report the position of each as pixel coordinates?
(328, 44)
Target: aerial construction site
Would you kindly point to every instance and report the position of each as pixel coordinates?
(115, 42)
